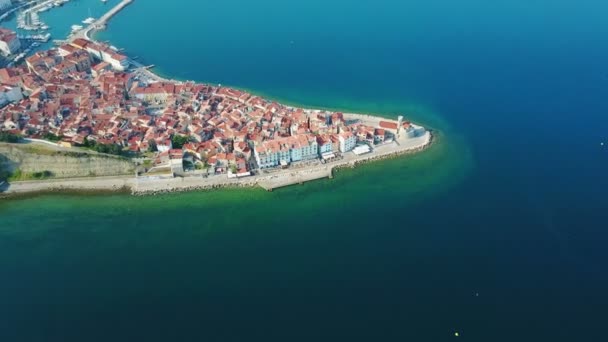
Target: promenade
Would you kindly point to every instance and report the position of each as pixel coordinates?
(266, 180)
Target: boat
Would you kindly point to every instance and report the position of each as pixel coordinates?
(19, 57)
(88, 20)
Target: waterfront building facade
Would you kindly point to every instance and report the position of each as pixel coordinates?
(324, 144)
(103, 53)
(347, 141)
(281, 151)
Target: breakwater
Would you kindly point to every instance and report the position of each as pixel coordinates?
(100, 23)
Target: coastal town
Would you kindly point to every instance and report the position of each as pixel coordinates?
(87, 94)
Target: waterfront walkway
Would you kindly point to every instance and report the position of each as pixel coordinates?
(268, 181)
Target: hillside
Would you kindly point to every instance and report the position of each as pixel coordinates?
(33, 161)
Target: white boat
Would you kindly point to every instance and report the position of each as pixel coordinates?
(88, 21)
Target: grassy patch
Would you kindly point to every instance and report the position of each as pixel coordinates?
(19, 175)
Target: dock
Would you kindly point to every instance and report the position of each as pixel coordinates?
(100, 23)
(106, 17)
(295, 177)
(42, 38)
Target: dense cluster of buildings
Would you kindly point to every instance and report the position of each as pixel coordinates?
(81, 93)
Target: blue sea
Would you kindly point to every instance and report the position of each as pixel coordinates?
(496, 233)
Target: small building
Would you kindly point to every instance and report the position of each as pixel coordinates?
(389, 126)
(379, 136)
(176, 158)
(362, 149)
(328, 156)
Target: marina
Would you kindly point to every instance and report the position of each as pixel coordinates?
(44, 38)
(29, 19)
(37, 22)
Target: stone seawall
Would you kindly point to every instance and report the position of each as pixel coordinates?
(268, 181)
(280, 178)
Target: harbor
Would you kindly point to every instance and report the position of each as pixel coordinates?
(29, 19)
(41, 24)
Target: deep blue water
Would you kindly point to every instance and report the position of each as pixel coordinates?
(499, 233)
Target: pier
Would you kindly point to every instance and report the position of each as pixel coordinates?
(42, 38)
(100, 23)
(29, 19)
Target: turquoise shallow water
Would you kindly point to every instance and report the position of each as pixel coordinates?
(496, 232)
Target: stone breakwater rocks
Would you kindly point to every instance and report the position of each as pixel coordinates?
(268, 181)
(199, 187)
(389, 155)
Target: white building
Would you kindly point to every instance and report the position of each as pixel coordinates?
(269, 154)
(106, 54)
(4, 4)
(286, 150)
(347, 141)
(10, 94)
(9, 43)
(409, 132)
(302, 147)
(118, 61)
(164, 145)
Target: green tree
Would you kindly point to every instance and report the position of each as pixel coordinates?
(51, 137)
(178, 141)
(152, 146)
(9, 137)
